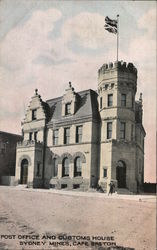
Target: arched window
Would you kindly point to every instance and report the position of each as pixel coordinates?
(78, 167)
(55, 172)
(65, 167)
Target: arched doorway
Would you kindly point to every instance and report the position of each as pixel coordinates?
(121, 174)
(24, 171)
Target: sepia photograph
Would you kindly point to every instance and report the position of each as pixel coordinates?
(77, 125)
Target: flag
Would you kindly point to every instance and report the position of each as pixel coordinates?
(110, 25)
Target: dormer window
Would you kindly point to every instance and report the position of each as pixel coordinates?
(34, 114)
(69, 101)
(67, 108)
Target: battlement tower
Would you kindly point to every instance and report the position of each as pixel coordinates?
(117, 85)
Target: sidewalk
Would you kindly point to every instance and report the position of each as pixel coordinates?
(90, 193)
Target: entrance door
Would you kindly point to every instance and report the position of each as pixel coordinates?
(24, 171)
(121, 174)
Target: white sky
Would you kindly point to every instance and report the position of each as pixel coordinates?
(45, 44)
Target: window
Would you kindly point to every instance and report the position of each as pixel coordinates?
(55, 137)
(38, 169)
(104, 172)
(30, 136)
(109, 130)
(123, 100)
(100, 102)
(35, 136)
(122, 130)
(67, 108)
(78, 167)
(34, 114)
(65, 167)
(3, 148)
(66, 135)
(79, 134)
(55, 173)
(75, 186)
(110, 100)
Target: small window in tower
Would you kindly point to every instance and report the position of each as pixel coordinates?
(105, 172)
(34, 114)
(100, 102)
(67, 108)
(109, 130)
(122, 130)
(110, 100)
(123, 100)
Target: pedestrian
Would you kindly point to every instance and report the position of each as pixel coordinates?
(111, 188)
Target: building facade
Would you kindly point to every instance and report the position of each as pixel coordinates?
(8, 143)
(80, 140)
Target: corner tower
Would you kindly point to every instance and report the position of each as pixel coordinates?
(117, 85)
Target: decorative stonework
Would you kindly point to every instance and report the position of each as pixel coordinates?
(81, 155)
(24, 157)
(69, 156)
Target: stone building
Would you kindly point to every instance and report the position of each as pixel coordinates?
(80, 140)
(8, 143)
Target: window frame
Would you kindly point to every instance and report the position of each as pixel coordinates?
(123, 130)
(30, 136)
(67, 135)
(68, 108)
(79, 133)
(78, 167)
(110, 102)
(34, 114)
(109, 130)
(55, 137)
(65, 167)
(104, 171)
(123, 100)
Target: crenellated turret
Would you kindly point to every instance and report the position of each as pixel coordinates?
(121, 66)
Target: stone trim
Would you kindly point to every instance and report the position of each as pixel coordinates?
(81, 155)
(73, 144)
(69, 156)
(55, 156)
(24, 157)
(58, 124)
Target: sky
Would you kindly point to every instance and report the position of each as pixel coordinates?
(44, 44)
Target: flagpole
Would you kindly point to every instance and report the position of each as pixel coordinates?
(117, 35)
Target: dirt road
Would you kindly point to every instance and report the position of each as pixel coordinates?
(26, 214)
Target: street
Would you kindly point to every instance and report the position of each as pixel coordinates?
(34, 219)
